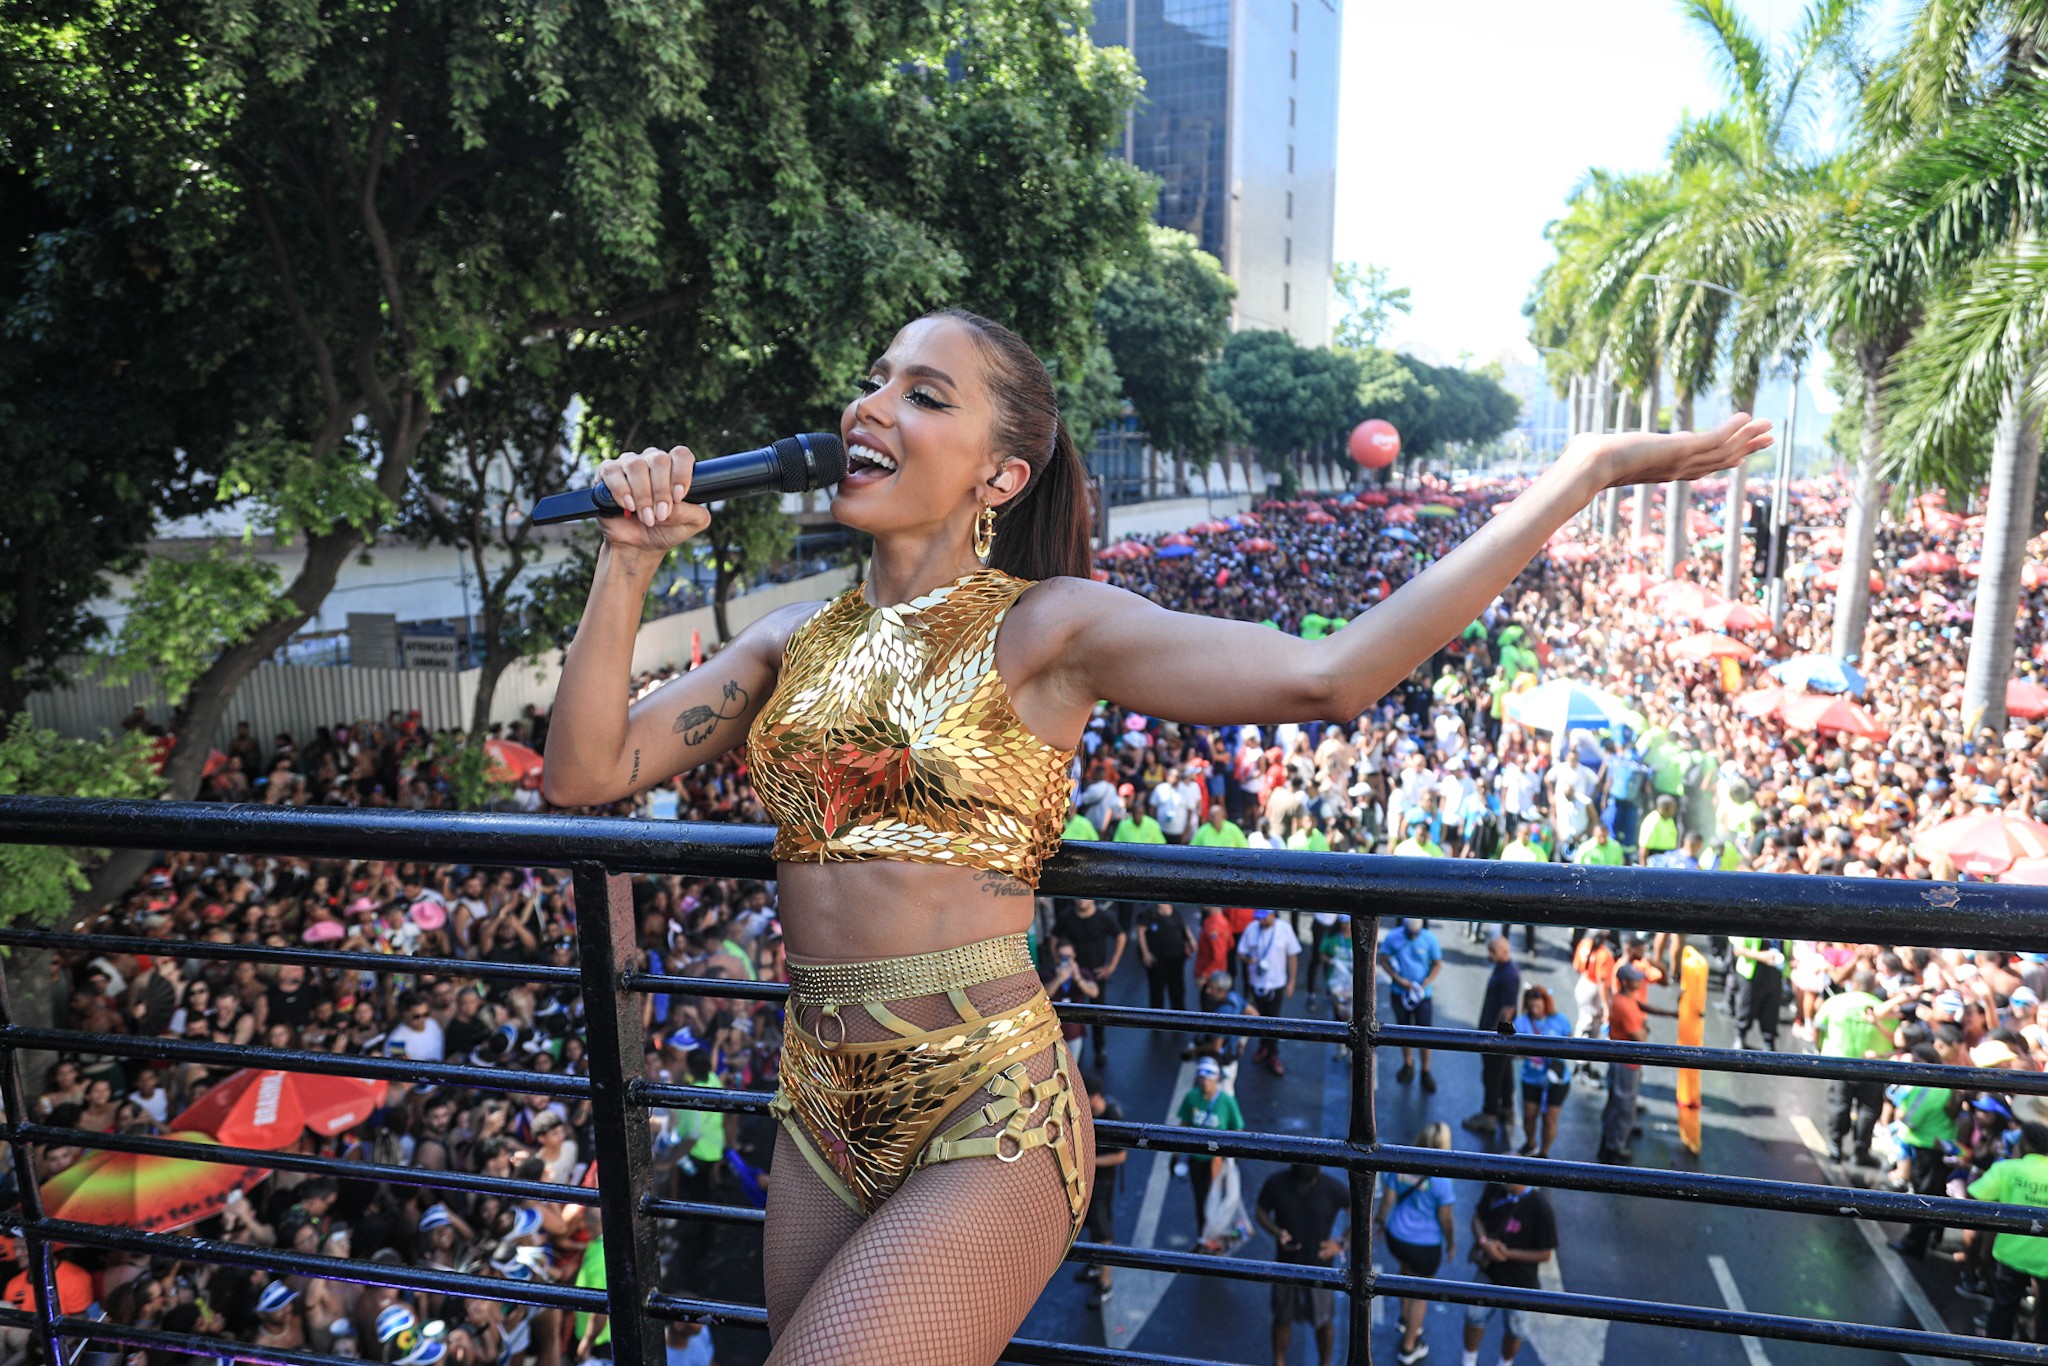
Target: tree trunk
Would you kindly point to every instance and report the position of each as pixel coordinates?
(1649, 424)
(2015, 472)
(1678, 498)
(1852, 595)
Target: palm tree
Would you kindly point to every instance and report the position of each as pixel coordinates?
(1970, 200)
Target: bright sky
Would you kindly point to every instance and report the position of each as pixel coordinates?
(1465, 123)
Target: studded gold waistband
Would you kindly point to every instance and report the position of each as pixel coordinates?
(918, 974)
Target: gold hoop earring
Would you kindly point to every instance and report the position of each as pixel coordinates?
(984, 533)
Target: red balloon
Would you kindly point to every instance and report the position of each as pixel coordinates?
(1375, 444)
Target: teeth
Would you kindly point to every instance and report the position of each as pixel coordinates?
(868, 455)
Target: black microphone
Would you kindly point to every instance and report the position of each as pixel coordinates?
(795, 464)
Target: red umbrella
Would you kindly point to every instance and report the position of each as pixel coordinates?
(1760, 702)
(1831, 713)
(1735, 616)
(2026, 872)
(1257, 545)
(1828, 542)
(2026, 699)
(263, 1108)
(1985, 842)
(1374, 499)
(1401, 514)
(1928, 562)
(1572, 552)
(510, 760)
(1829, 580)
(1708, 645)
(1319, 517)
(1177, 538)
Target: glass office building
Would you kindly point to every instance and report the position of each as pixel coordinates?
(1239, 122)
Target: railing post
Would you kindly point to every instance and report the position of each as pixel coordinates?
(1363, 1129)
(42, 1271)
(607, 938)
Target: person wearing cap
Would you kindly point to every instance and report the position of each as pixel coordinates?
(1846, 1026)
(1220, 996)
(278, 1321)
(1271, 954)
(1628, 1012)
(1205, 1105)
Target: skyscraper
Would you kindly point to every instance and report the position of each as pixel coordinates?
(1239, 121)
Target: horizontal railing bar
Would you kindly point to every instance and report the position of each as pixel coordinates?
(193, 1344)
(1805, 1066)
(1748, 1323)
(228, 1055)
(336, 1167)
(1712, 1188)
(709, 1098)
(1027, 1350)
(1112, 1254)
(1209, 1264)
(11, 1317)
(1878, 910)
(655, 1207)
(1295, 1027)
(666, 984)
(309, 958)
(542, 1294)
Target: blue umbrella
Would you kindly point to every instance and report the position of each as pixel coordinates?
(1172, 552)
(1565, 704)
(1820, 673)
(1397, 533)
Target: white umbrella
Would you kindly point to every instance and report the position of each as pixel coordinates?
(1565, 704)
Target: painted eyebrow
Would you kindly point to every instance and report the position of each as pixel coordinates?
(921, 371)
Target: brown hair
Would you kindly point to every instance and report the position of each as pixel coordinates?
(1043, 531)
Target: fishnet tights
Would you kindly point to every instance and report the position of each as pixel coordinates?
(944, 1272)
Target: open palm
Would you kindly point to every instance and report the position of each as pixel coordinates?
(1662, 458)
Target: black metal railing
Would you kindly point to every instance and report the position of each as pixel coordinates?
(601, 853)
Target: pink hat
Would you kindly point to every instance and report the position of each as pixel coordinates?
(428, 914)
(362, 905)
(323, 932)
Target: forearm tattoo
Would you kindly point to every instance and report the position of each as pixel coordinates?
(696, 724)
(635, 779)
(1000, 884)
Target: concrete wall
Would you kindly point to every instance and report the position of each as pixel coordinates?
(297, 698)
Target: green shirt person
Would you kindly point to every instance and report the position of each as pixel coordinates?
(1418, 844)
(1521, 849)
(1139, 830)
(590, 1276)
(1310, 838)
(2021, 1180)
(1600, 850)
(1927, 1115)
(1218, 832)
(1079, 827)
(1845, 1029)
(1660, 828)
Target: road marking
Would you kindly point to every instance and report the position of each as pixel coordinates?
(1581, 1342)
(1894, 1265)
(1138, 1292)
(1729, 1292)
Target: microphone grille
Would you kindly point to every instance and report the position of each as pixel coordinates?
(810, 461)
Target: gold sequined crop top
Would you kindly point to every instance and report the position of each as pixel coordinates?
(891, 736)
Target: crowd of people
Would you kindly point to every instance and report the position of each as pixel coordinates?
(1441, 768)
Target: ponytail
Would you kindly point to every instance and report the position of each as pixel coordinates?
(1043, 532)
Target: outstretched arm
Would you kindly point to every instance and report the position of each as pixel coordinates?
(1202, 670)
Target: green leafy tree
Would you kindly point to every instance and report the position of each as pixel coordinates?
(185, 607)
(1166, 315)
(746, 535)
(498, 446)
(1289, 395)
(1370, 302)
(38, 883)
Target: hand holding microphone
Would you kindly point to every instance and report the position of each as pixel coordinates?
(650, 501)
(650, 489)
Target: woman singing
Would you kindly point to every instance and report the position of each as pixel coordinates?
(911, 739)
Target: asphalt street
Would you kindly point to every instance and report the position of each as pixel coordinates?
(1763, 1261)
